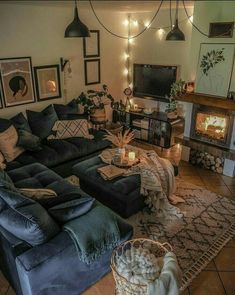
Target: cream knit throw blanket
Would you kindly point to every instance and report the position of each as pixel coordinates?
(157, 181)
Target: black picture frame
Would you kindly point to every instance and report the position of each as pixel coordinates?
(91, 45)
(47, 82)
(92, 71)
(221, 30)
(17, 86)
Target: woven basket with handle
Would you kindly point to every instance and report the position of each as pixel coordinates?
(123, 286)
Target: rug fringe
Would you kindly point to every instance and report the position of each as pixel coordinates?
(198, 266)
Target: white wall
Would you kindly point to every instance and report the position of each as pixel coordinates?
(152, 48)
(37, 30)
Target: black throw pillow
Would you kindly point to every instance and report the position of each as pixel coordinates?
(72, 209)
(41, 123)
(20, 122)
(4, 124)
(28, 141)
(63, 111)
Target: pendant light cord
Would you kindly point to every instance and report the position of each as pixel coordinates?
(170, 15)
(126, 37)
(192, 22)
(176, 10)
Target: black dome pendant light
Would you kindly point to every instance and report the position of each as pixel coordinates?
(176, 34)
(76, 28)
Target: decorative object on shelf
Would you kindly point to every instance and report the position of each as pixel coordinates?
(214, 72)
(17, 83)
(189, 87)
(47, 81)
(118, 105)
(128, 92)
(76, 28)
(148, 111)
(92, 71)
(175, 34)
(177, 89)
(91, 46)
(95, 99)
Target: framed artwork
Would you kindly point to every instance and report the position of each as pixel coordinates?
(47, 81)
(17, 82)
(221, 30)
(92, 71)
(0, 97)
(214, 69)
(91, 45)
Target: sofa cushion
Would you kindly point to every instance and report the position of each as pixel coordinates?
(41, 123)
(26, 219)
(8, 141)
(38, 193)
(28, 141)
(4, 124)
(63, 111)
(71, 128)
(20, 122)
(71, 209)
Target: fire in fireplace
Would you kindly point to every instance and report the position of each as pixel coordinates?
(211, 125)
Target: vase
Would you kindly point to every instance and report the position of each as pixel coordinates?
(121, 152)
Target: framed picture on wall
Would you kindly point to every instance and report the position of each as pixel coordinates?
(1, 97)
(17, 82)
(91, 45)
(214, 69)
(92, 71)
(47, 81)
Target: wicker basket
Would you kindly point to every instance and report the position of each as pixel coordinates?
(123, 286)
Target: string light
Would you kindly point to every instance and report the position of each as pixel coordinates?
(135, 23)
(191, 18)
(126, 55)
(126, 22)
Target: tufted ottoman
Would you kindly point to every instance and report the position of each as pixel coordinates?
(121, 194)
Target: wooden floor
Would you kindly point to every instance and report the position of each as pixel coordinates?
(218, 278)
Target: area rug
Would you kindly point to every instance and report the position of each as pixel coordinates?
(208, 223)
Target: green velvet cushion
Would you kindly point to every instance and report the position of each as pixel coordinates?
(28, 141)
(71, 209)
(20, 122)
(41, 123)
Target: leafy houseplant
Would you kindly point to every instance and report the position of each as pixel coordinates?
(95, 99)
(177, 89)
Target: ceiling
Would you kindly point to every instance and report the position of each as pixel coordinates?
(118, 5)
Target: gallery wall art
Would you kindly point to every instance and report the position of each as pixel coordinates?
(214, 71)
(47, 81)
(17, 81)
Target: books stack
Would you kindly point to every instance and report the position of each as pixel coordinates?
(110, 172)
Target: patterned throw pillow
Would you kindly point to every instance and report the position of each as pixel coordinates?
(71, 128)
(8, 141)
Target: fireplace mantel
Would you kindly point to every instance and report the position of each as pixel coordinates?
(208, 100)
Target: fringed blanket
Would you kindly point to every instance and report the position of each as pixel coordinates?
(157, 181)
(94, 233)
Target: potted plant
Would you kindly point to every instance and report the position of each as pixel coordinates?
(177, 89)
(94, 101)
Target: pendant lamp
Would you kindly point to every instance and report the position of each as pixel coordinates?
(76, 28)
(176, 34)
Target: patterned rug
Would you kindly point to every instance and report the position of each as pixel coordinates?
(207, 225)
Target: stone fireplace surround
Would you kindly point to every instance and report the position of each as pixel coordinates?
(225, 149)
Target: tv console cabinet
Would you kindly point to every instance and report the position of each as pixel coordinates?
(155, 128)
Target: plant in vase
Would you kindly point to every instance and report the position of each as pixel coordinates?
(177, 89)
(94, 102)
(120, 140)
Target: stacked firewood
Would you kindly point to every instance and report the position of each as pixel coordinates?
(206, 160)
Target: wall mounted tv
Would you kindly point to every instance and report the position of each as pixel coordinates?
(153, 81)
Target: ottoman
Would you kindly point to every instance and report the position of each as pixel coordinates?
(121, 194)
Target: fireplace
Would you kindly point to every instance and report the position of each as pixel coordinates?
(212, 125)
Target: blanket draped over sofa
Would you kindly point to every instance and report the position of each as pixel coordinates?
(101, 234)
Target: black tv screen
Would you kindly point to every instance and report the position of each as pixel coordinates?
(153, 80)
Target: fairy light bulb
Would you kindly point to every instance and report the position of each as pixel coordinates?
(135, 23)
(126, 22)
(191, 18)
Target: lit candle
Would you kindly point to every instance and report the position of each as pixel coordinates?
(131, 156)
(135, 106)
